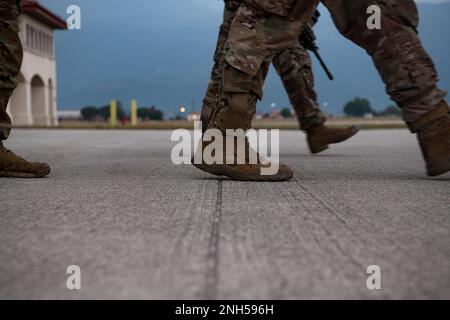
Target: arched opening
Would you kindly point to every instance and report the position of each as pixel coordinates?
(18, 104)
(38, 101)
(51, 103)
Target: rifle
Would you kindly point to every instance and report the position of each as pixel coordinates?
(308, 41)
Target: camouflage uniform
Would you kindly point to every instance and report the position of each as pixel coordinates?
(294, 66)
(10, 58)
(263, 29)
(260, 31)
(407, 70)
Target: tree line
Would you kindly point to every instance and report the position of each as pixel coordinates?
(360, 107)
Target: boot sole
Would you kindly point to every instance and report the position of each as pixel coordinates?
(25, 175)
(441, 168)
(224, 170)
(325, 146)
(319, 149)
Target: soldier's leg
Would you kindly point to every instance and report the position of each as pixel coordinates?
(212, 92)
(295, 69)
(406, 68)
(11, 55)
(238, 95)
(242, 72)
(294, 66)
(10, 60)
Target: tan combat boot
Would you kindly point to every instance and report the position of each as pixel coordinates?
(433, 132)
(250, 171)
(319, 138)
(14, 166)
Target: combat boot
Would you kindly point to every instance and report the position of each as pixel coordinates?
(249, 171)
(13, 166)
(320, 137)
(433, 132)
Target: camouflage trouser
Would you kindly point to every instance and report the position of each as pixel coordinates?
(295, 69)
(294, 66)
(407, 70)
(10, 59)
(212, 92)
(248, 43)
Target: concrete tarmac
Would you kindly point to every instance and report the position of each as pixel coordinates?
(140, 227)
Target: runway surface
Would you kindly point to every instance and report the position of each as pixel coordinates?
(141, 227)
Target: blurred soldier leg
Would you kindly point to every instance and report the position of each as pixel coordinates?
(11, 55)
(294, 66)
(406, 68)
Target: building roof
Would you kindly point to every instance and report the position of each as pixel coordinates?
(44, 15)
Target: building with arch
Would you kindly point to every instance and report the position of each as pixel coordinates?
(34, 100)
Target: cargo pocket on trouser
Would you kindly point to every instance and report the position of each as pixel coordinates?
(237, 100)
(11, 53)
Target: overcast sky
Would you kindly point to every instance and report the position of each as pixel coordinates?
(160, 52)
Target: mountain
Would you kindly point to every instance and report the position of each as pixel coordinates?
(160, 52)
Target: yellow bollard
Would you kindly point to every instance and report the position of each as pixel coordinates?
(134, 113)
(113, 113)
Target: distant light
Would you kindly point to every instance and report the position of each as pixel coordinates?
(183, 109)
(325, 104)
(273, 105)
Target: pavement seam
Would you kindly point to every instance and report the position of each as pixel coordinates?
(213, 260)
